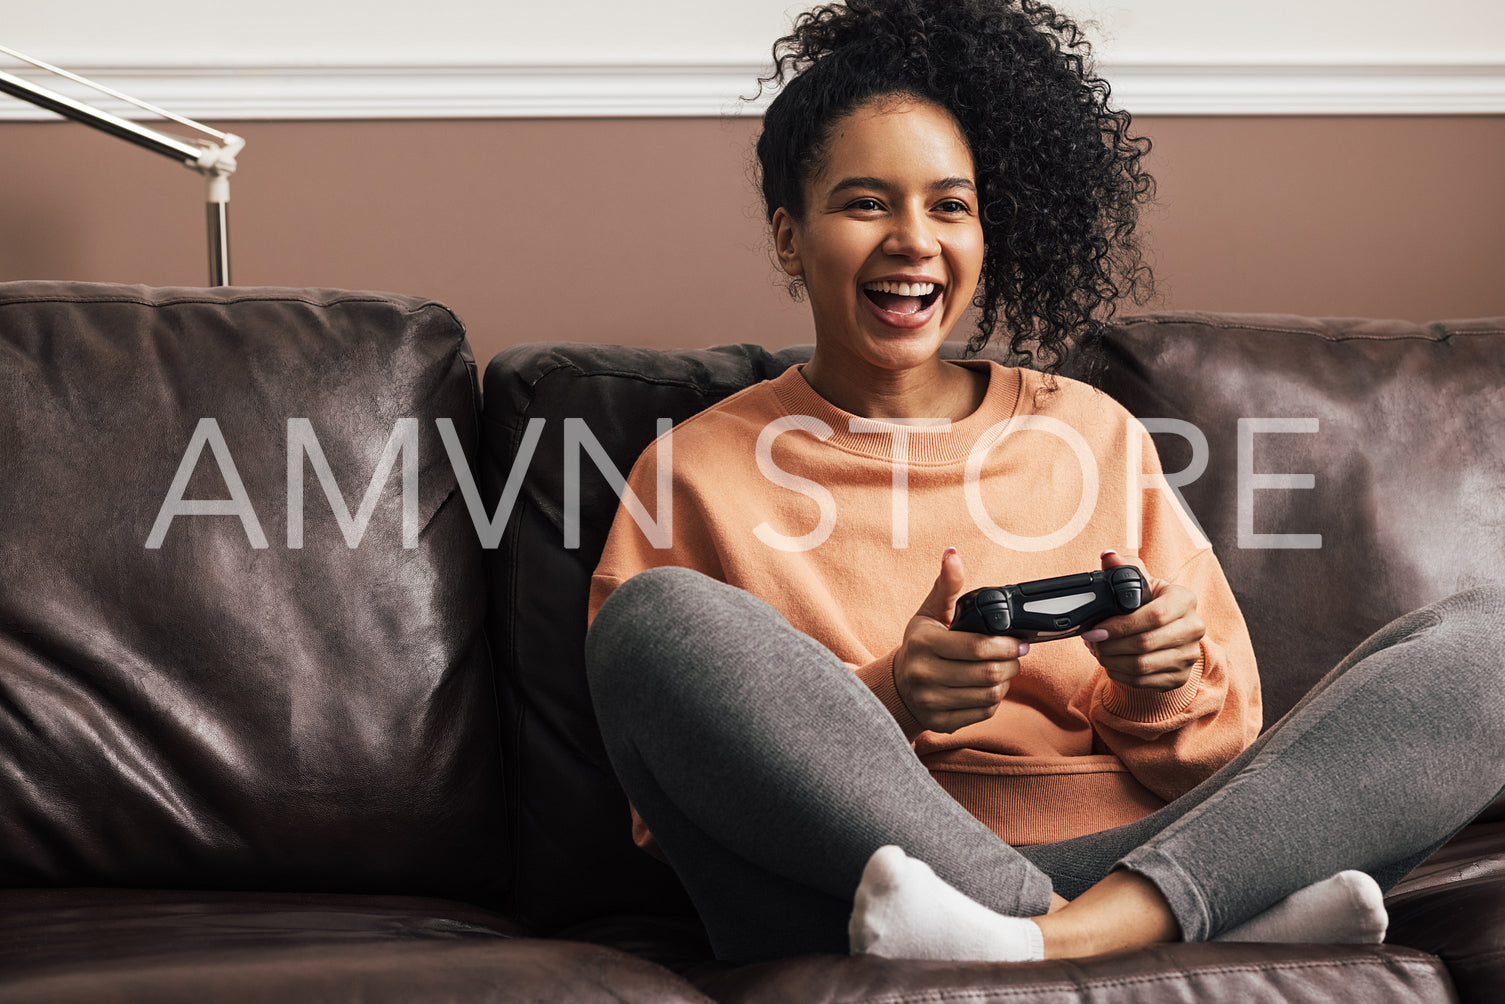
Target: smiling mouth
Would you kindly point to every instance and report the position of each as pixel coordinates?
(902, 297)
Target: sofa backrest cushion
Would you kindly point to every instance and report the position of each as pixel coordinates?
(569, 820)
(216, 708)
(1398, 428)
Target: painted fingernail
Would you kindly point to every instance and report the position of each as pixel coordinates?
(1095, 635)
(949, 550)
(1107, 552)
(1024, 648)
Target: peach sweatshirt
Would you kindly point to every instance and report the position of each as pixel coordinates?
(840, 526)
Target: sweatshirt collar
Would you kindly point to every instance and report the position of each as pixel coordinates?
(877, 437)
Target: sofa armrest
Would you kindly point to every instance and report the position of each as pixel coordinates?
(1453, 906)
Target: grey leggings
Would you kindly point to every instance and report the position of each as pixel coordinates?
(769, 773)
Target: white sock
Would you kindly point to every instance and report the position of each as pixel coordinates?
(903, 910)
(1346, 908)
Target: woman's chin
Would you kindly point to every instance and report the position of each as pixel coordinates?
(912, 344)
(897, 342)
(904, 351)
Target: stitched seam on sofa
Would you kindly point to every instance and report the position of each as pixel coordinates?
(1124, 322)
(964, 993)
(1442, 339)
(177, 301)
(630, 374)
(566, 364)
(515, 769)
(1226, 326)
(1089, 984)
(525, 414)
(901, 997)
(1387, 963)
(417, 308)
(1128, 321)
(1485, 872)
(1274, 967)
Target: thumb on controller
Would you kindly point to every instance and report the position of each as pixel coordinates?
(949, 585)
(1112, 559)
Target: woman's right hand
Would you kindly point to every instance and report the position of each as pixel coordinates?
(951, 679)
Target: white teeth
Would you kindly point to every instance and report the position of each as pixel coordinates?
(902, 288)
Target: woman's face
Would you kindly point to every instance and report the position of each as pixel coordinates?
(891, 244)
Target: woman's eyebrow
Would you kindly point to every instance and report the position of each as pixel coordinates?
(865, 181)
(945, 184)
(860, 182)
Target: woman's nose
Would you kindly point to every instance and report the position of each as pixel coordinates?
(912, 236)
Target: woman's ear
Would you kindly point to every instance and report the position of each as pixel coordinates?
(786, 243)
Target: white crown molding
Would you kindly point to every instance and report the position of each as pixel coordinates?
(301, 92)
(1309, 88)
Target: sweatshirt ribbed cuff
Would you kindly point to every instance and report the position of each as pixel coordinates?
(1154, 707)
(879, 677)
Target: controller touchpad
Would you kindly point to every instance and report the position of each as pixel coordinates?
(1059, 604)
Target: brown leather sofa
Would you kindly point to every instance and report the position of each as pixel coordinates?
(365, 767)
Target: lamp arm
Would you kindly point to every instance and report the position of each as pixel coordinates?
(215, 161)
(168, 146)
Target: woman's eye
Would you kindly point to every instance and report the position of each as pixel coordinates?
(953, 206)
(864, 205)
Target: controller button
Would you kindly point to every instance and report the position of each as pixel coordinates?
(1063, 622)
(1125, 574)
(998, 620)
(1128, 597)
(989, 596)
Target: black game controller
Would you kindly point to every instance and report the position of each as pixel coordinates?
(1047, 609)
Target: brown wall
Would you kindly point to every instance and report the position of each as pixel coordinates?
(647, 231)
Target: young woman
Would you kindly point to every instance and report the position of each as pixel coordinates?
(825, 764)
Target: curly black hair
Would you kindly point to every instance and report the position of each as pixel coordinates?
(1059, 176)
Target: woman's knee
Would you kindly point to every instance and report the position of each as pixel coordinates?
(672, 637)
(1468, 637)
(647, 623)
(631, 614)
(1453, 670)
(646, 598)
(1480, 610)
(1472, 621)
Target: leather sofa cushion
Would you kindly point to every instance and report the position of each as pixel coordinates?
(1405, 455)
(1453, 905)
(208, 713)
(85, 946)
(1248, 974)
(574, 853)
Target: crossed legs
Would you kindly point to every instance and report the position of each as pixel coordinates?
(770, 776)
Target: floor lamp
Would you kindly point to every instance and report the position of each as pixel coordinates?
(213, 158)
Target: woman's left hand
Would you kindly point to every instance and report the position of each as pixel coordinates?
(1156, 646)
